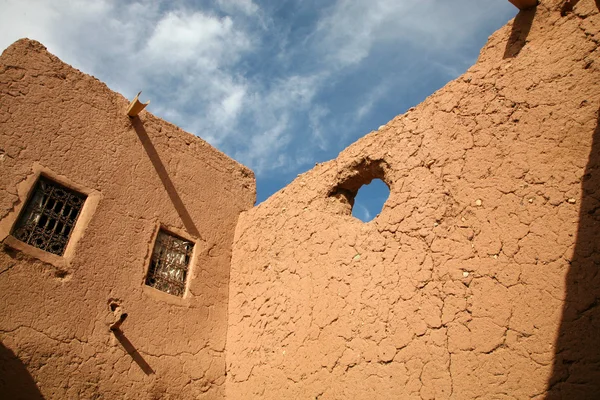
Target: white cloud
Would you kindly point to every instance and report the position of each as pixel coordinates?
(352, 28)
(426, 39)
(34, 21)
(370, 99)
(244, 80)
(316, 115)
(231, 105)
(272, 108)
(348, 31)
(246, 6)
(264, 151)
(182, 40)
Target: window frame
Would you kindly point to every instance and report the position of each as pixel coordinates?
(44, 212)
(178, 234)
(25, 189)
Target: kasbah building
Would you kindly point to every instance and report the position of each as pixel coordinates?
(134, 264)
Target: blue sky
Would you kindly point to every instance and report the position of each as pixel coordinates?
(277, 85)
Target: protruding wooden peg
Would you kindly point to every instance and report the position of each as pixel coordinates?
(136, 106)
(116, 326)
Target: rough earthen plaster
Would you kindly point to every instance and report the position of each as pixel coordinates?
(479, 278)
(142, 174)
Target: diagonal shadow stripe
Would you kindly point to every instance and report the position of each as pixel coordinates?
(132, 351)
(164, 176)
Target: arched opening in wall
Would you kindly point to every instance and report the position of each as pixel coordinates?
(370, 199)
(362, 190)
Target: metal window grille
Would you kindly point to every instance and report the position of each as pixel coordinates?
(49, 216)
(169, 264)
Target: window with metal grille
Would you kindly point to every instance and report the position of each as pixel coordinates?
(48, 218)
(169, 264)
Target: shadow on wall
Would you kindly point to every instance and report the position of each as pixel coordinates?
(132, 351)
(576, 373)
(520, 30)
(164, 176)
(568, 6)
(15, 381)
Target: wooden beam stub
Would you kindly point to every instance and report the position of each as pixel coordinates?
(136, 106)
(117, 324)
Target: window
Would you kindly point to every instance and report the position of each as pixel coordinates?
(169, 264)
(48, 218)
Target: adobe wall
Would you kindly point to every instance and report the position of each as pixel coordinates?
(139, 174)
(479, 279)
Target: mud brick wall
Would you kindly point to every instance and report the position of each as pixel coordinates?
(479, 279)
(139, 175)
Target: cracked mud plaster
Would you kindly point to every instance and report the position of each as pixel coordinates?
(456, 290)
(54, 323)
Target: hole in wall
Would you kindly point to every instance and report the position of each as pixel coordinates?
(362, 190)
(61, 273)
(567, 7)
(113, 306)
(370, 199)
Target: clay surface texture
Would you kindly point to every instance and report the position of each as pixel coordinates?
(479, 279)
(143, 174)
